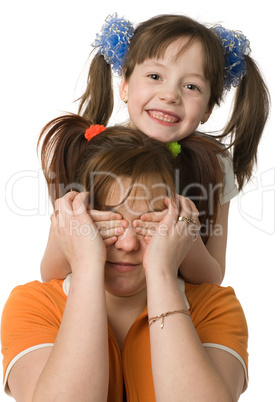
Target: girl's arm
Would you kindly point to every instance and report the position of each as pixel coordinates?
(206, 262)
(76, 367)
(54, 264)
(182, 369)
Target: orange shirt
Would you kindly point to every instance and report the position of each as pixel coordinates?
(33, 313)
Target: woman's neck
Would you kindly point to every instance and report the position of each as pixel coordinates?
(123, 311)
(117, 305)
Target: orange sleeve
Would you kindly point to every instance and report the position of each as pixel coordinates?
(31, 317)
(219, 318)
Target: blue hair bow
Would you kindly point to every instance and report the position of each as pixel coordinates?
(235, 45)
(114, 41)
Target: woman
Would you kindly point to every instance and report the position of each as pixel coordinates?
(122, 326)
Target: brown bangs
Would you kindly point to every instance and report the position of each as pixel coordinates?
(134, 156)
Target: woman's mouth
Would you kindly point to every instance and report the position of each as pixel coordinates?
(163, 117)
(122, 266)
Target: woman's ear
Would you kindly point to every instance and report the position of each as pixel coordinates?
(124, 90)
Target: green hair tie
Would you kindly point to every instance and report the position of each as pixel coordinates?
(174, 147)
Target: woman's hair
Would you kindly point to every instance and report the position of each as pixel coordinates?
(150, 40)
(70, 162)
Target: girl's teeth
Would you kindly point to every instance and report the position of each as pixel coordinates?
(165, 118)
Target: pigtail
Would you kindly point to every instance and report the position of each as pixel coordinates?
(250, 112)
(97, 103)
(61, 143)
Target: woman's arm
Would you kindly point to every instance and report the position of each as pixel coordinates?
(54, 264)
(203, 263)
(76, 368)
(182, 369)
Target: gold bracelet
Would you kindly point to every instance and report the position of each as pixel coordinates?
(163, 315)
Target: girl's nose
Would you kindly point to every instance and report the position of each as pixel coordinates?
(128, 241)
(169, 95)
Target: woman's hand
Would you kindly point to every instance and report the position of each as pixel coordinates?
(75, 231)
(171, 238)
(148, 223)
(109, 224)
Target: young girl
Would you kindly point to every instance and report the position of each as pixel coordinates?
(122, 326)
(174, 71)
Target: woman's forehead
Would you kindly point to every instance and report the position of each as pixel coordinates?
(143, 196)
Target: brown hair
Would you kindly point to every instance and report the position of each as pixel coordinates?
(201, 176)
(69, 161)
(151, 38)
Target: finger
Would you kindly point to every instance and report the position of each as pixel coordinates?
(146, 227)
(80, 202)
(143, 231)
(188, 216)
(173, 209)
(147, 239)
(110, 241)
(107, 225)
(105, 234)
(53, 220)
(65, 203)
(104, 215)
(153, 216)
(188, 206)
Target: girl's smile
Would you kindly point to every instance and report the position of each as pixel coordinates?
(164, 117)
(168, 97)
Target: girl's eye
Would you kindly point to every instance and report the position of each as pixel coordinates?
(154, 77)
(192, 87)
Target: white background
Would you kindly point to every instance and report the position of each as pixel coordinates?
(44, 52)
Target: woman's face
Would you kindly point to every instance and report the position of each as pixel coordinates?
(124, 273)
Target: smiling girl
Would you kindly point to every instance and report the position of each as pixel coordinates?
(174, 71)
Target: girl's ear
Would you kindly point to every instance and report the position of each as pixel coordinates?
(207, 114)
(124, 89)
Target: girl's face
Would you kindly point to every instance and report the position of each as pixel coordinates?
(169, 96)
(124, 273)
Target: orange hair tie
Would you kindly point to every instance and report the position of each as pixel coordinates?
(94, 130)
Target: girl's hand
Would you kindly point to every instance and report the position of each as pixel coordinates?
(109, 224)
(173, 238)
(76, 233)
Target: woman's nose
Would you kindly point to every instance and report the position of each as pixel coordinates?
(128, 241)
